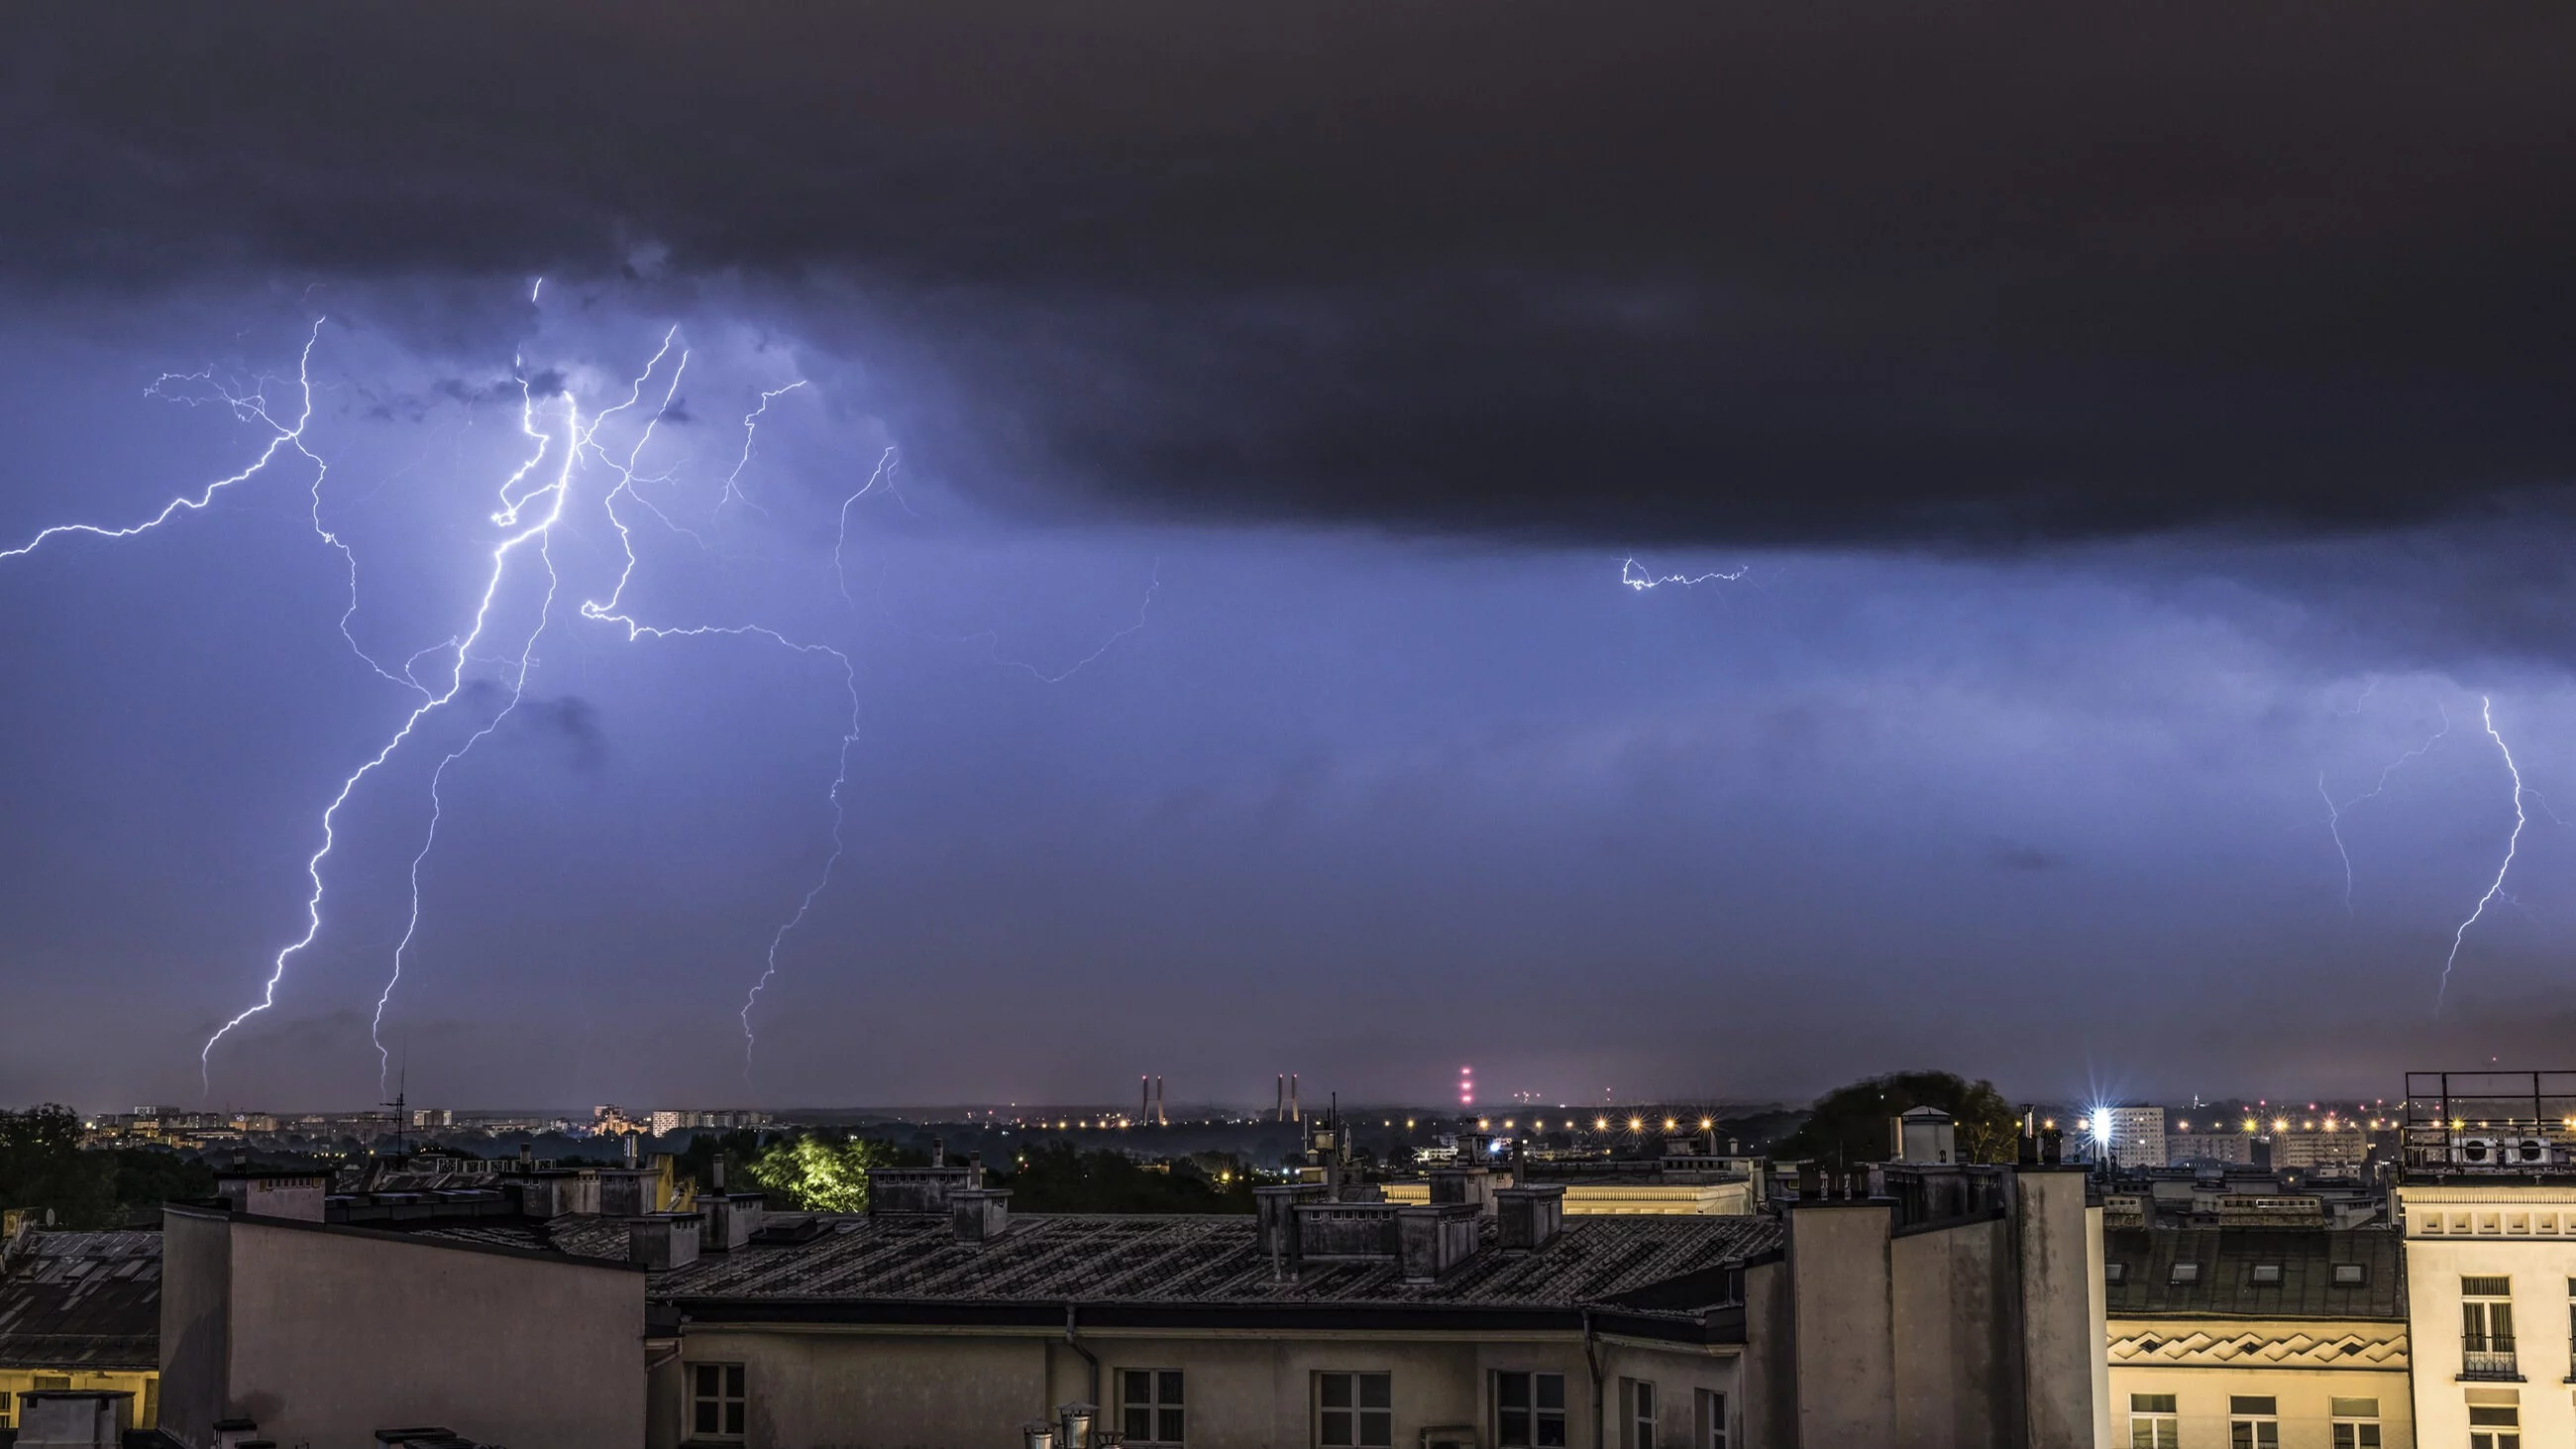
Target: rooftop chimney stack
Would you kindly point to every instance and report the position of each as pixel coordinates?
(1527, 1217)
(1037, 1434)
(979, 1214)
(630, 1149)
(938, 1153)
(1075, 1422)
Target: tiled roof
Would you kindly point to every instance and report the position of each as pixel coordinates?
(82, 1300)
(2226, 1259)
(579, 1237)
(1202, 1260)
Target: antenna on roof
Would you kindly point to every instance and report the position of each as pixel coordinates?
(401, 1102)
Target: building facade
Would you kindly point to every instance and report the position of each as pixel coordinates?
(2491, 1277)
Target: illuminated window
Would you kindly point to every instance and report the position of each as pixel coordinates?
(1149, 1405)
(2253, 1422)
(715, 1400)
(2356, 1423)
(2153, 1423)
(1358, 1410)
(1529, 1410)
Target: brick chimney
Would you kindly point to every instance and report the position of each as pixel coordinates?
(1433, 1239)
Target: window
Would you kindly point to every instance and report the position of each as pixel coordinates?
(2486, 1328)
(2356, 1423)
(1711, 1422)
(2184, 1273)
(2351, 1275)
(1639, 1396)
(2495, 1426)
(1529, 1410)
(2253, 1422)
(2115, 1274)
(1359, 1409)
(1149, 1405)
(2264, 1275)
(715, 1400)
(2153, 1424)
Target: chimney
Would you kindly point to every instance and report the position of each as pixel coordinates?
(980, 1214)
(1279, 1108)
(1144, 1100)
(1472, 1185)
(1162, 1116)
(527, 1157)
(74, 1418)
(1275, 1210)
(1037, 1434)
(273, 1195)
(1433, 1239)
(1295, 1113)
(630, 1149)
(1527, 1217)
(731, 1220)
(1075, 1421)
(975, 1168)
(664, 1240)
(938, 1153)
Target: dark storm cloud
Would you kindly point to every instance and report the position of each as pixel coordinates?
(1748, 275)
(1751, 274)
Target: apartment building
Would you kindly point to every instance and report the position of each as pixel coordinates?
(2262, 1337)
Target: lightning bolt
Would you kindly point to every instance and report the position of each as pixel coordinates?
(750, 429)
(2334, 812)
(1637, 577)
(247, 407)
(2486, 711)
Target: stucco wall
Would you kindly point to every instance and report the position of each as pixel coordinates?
(2061, 1312)
(859, 1388)
(1842, 1324)
(335, 1335)
(196, 1274)
(2539, 1270)
(2201, 1394)
(1955, 1331)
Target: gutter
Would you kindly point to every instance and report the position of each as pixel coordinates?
(1088, 1356)
(1592, 1361)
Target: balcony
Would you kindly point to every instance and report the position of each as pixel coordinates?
(2493, 1359)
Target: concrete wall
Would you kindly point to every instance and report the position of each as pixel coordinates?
(1770, 1376)
(196, 1279)
(2201, 1393)
(1956, 1333)
(922, 1388)
(327, 1335)
(2062, 1311)
(1842, 1323)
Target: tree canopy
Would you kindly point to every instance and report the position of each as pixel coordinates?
(1849, 1124)
(43, 1166)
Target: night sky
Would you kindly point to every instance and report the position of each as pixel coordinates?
(2118, 439)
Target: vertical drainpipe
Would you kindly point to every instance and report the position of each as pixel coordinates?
(1093, 1359)
(1593, 1361)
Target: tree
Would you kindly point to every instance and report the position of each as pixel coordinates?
(1059, 1177)
(1848, 1125)
(42, 1166)
(819, 1172)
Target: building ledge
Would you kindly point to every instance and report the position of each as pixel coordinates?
(2493, 1379)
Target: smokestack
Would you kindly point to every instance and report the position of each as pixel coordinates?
(1162, 1116)
(1279, 1108)
(1144, 1100)
(1295, 1113)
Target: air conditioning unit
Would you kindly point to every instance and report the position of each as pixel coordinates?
(2529, 1150)
(2476, 1151)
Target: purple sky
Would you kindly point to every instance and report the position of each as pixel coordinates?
(2098, 491)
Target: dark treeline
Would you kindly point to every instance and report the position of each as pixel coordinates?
(44, 1167)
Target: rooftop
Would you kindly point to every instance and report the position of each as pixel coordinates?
(1208, 1260)
(82, 1301)
(2219, 1277)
